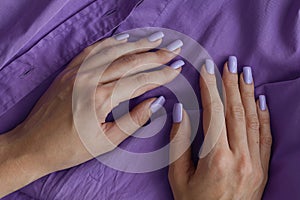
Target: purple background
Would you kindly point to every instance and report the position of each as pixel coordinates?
(38, 39)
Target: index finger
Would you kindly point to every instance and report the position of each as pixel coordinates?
(180, 151)
(213, 111)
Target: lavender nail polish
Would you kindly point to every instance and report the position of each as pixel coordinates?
(232, 64)
(122, 36)
(156, 36)
(247, 75)
(262, 102)
(177, 64)
(177, 113)
(210, 66)
(157, 104)
(175, 45)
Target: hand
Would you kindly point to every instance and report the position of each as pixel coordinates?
(48, 141)
(237, 165)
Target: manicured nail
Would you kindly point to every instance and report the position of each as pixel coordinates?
(177, 113)
(175, 45)
(262, 102)
(210, 66)
(177, 64)
(232, 64)
(157, 104)
(156, 36)
(122, 36)
(247, 75)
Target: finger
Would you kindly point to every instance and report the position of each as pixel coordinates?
(213, 112)
(154, 37)
(252, 123)
(97, 47)
(108, 55)
(111, 94)
(235, 115)
(134, 63)
(125, 126)
(265, 133)
(181, 165)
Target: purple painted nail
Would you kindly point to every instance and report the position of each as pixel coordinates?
(177, 64)
(156, 36)
(157, 104)
(122, 36)
(262, 102)
(177, 113)
(247, 75)
(232, 64)
(210, 66)
(175, 45)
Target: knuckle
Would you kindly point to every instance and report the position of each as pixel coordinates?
(244, 168)
(103, 93)
(266, 141)
(220, 162)
(112, 141)
(258, 176)
(215, 106)
(107, 51)
(237, 111)
(231, 83)
(252, 122)
(210, 82)
(130, 59)
(142, 45)
(110, 51)
(264, 120)
(265, 180)
(163, 55)
(142, 78)
(248, 94)
(167, 74)
(139, 118)
(87, 50)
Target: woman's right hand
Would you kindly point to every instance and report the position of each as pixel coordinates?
(48, 139)
(236, 167)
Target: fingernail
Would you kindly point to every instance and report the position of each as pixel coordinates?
(157, 104)
(177, 113)
(156, 36)
(210, 66)
(177, 64)
(175, 45)
(122, 36)
(247, 75)
(262, 102)
(232, 64)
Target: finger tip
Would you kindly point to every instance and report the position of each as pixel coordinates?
(177, 112)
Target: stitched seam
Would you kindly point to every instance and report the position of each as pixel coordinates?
(46, 34)
(10, 103)
(162, 11)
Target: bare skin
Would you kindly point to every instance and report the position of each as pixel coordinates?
(237, 166)
(47, 141)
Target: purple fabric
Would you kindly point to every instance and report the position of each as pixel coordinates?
(38, 38)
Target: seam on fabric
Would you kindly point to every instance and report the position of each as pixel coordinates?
(14, 58)
(161, 12)
(64, 59)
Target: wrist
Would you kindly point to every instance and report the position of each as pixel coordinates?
(18, 166)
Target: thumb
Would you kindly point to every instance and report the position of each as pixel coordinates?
(180, 151)
(125, 126)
